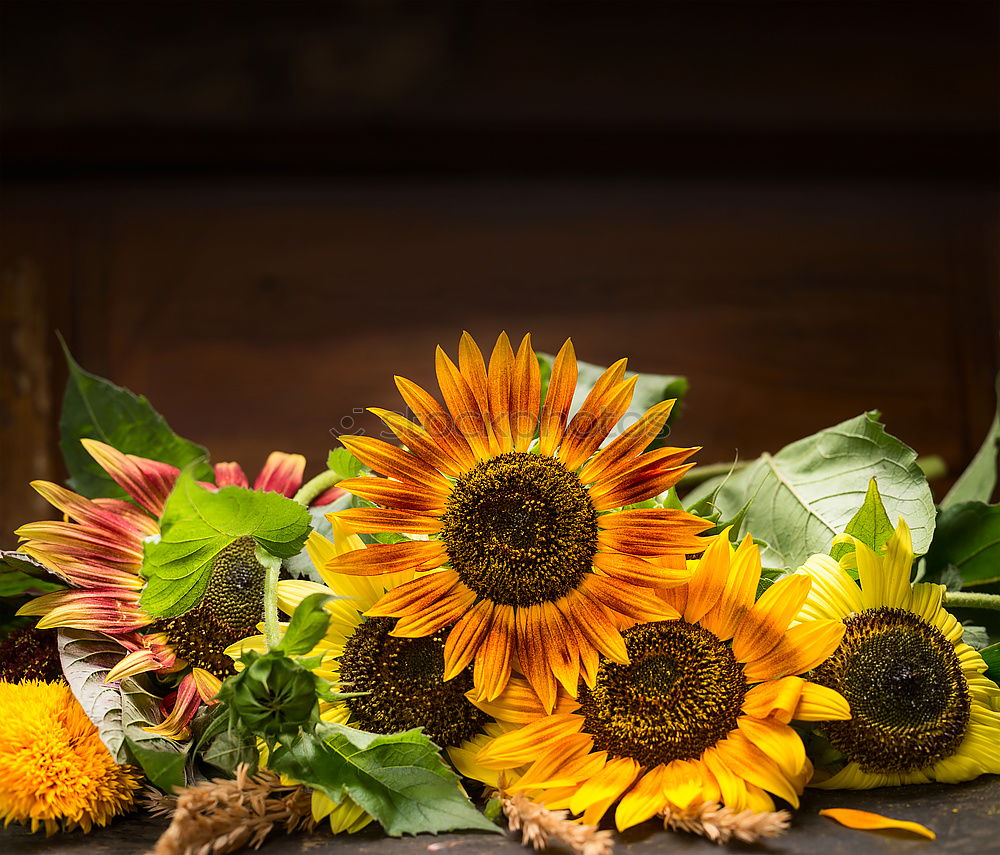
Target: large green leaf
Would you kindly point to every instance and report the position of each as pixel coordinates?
(398, 778)
(197, 524)
(968, 539)
(121, 710)
(94, 408)
(650, 389)
(809, 491)
(977, 482)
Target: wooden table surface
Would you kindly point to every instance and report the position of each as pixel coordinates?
(966, 819)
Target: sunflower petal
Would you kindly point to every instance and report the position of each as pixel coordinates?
(465, 638)
(437, 422)
(583, 438)
(491, 670)
(818, 703)
(767, 622)
(464, 406)
(500, 379)
(415, 596)
(747, 761)
(396, 495)
(394, 462)
(865, 821)
(775, 699)
(382, 558)
(373, 520)
(420, 443)
(804, 647)
(555, 410)
(525, 393)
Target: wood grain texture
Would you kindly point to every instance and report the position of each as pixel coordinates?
(258, 316)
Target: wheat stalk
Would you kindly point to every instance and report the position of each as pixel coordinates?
(223, 815)
(542, 828)
(721, 824)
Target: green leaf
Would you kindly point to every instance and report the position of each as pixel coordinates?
(227, 749)
(979, 479)
(119, 711)
(20, 574)
(991, 655)
(94, 408)
(198, 524)
(650, 389)
(870, 525)
(398, 778)
(345, 464)
(967, 537)
(809, 491)
(165, 769)
(308, 625)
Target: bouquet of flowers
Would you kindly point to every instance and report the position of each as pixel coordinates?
(517, 606)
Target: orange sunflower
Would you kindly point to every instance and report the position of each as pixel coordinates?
(98, 549)
(699, 715)
(523, 543)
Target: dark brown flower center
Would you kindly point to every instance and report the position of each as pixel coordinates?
(404, 682)
(681, 694)
(520, 529)
(232, 607)
(909, 700)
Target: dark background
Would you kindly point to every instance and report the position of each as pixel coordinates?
(255, 213)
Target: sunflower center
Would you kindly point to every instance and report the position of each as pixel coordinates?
(404, 679)
(909, 699)
(520, 529)
(232, 607)
(681, 694)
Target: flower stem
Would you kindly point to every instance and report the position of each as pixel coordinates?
(272, 633)
(311, 489)
(972, 600)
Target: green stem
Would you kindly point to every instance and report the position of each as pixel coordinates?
(272, 633)
(972, 600)
(311, 489)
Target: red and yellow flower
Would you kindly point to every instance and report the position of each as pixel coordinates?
(523, 541)
(98, 549)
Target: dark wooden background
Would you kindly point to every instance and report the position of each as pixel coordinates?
(256, 213)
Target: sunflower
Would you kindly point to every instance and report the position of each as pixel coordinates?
(98, 549)
(923, 709)
(54, 770)
(529, 553)
(700, 714)
(402, 678)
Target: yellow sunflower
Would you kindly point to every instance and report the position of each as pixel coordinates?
(402, 677)
(700, 714)
(530, 554)
(923, 709)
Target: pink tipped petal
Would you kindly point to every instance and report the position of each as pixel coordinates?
(104, 610)
(149, 482)
(230, 475)
(182, 708)
(282, 473)
(328, 497)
